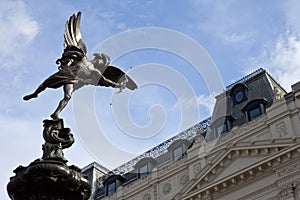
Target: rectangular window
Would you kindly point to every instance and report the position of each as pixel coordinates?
(254, 113)
(177, 153)
(111, 188)
(143, 171)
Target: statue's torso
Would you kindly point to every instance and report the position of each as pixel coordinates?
(85, 69)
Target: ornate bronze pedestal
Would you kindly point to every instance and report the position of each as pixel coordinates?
(50, 177)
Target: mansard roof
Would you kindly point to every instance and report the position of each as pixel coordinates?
(256, 85)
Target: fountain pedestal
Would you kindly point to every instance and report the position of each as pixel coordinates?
(50, 177)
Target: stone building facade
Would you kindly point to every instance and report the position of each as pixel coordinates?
(248, 149)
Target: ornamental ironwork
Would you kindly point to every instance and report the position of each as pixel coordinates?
(162, 148)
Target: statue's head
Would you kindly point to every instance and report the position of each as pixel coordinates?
(101, 59)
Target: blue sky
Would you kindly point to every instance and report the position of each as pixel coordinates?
(237, 36)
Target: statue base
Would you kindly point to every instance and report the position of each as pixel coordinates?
(49, 178)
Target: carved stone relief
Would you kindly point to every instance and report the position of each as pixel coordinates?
(197, 168)
(166, 189)
(281, 129)
(278, 94)
(183, 180)
(289, 191)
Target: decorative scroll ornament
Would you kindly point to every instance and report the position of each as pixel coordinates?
(55, 133)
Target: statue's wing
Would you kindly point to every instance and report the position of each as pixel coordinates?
(72, 35)
(118, 76)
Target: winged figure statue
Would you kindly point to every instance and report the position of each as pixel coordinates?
(76, 71)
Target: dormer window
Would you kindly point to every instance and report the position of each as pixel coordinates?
(254, 113)
(223, 128)
(143, 171)
(238, 93)
(178, 153)
(222, 125)
(112, 182)
(255, 108)
(144, 166)
(178, 148)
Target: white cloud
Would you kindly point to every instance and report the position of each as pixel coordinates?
(203, 102)
(281, 56)
(17, 30)
(232, 38)
(207, 102)
(285, 60)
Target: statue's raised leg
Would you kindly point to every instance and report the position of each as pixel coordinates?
(68, 90)
(40, 89)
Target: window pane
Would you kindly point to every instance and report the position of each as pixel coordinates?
(143, 171)
(239, 96)
(254, 113)
(111, 188)
(177, 153)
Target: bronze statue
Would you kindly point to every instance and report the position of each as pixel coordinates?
(75, 70)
